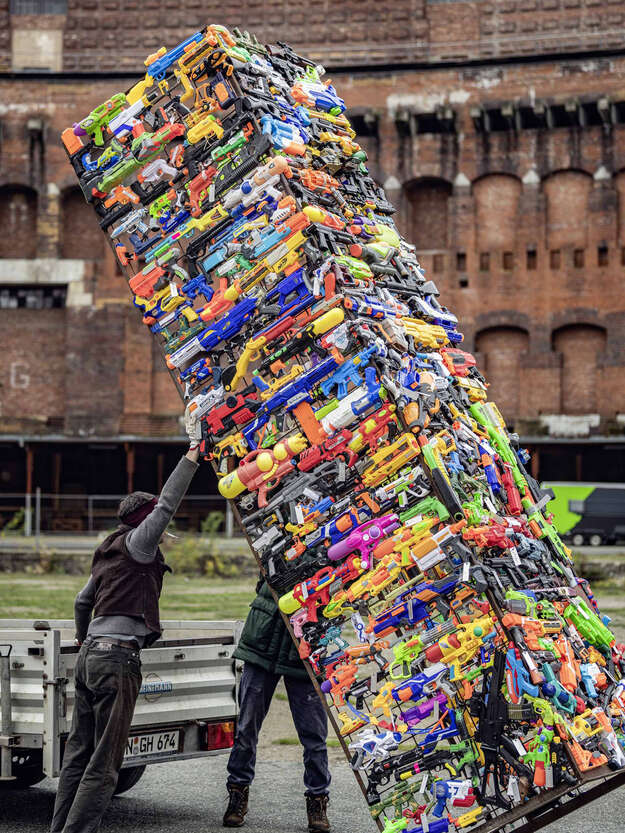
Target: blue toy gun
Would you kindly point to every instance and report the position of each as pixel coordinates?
(197, 286)
(291, 294)
(289, 397)
(588, 679)
(158, 64)
(415, 687)
(348, 372)
(517, 677)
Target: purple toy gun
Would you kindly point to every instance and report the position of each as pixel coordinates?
(364, 539)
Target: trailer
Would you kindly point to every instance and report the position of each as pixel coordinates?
(589, 513)
(187, 706)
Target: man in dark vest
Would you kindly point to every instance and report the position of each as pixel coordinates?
(122, 594)
(269, 653)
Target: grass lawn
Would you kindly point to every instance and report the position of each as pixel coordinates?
(51, 596)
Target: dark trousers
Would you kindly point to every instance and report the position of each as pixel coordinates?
(309, 717)
(107, 685)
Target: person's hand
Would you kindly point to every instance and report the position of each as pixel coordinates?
(193, 428)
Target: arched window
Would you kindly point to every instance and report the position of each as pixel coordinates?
(81, 237)
(18, 221)
(496, 199)
(580, 346)
(425, 212)
(502, 348)
(567, 194)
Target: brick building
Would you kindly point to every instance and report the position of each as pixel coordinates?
(497, 127)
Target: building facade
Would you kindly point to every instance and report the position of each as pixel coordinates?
(497, 129)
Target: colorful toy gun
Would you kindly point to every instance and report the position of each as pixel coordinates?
(415, 687)
(491, 535)
(98, 118)
(459, 648)
(432, 451)
(289, 397)
(593, 678)
(531, 630)
(589, 625)
(261, 470)
(570, 674)
(518, 681)
(554, 691)
(538, 755)
(364, 539)
(513, 496)
(400, 798)
(459, 793)
(347, 373)
(372, 746)
(144, 149)
(159, 62)
(408, 650)
(316, 590)
(417, 713)
(339, 682)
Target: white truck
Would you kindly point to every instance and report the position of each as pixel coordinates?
(187, 706)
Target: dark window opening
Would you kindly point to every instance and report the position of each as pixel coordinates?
(441, 121)
(463, 283)
(365, 124)
(32, 297)
(484, 261)
(507, 261)
(531, 259)
(602, 256)
(461, 261)
(578, 258)
(438, 263)
(554, 258)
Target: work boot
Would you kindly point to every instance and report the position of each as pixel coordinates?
(316, 809)
(237, 805)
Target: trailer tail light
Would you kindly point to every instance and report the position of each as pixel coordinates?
(220, 735)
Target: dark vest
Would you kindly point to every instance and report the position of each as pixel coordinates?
(125, 587)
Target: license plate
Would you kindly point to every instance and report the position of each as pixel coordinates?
(155, 743)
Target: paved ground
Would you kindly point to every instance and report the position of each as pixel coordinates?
(194, 803)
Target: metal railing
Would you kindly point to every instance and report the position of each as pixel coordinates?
(40, 513)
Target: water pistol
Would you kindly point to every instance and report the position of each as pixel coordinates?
(143, 149)
(315, 590)
(410, 603)
(415, 687)
(408, 650)
(459, 648)
(459, 793)
(415, 714)
(432, 452)
(364, 539)
(589, 625)
(263, 469)
(372, 746)
(94, 124)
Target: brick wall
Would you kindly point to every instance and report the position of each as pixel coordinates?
(486, 206)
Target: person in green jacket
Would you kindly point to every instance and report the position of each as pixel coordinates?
(268, 653)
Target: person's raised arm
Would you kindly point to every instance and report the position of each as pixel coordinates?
(143, 541)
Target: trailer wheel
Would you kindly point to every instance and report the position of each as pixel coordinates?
(27, 769)
(595, 540)
(128, 778)
(577, 540)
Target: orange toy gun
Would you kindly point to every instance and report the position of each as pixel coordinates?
(531, 629)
